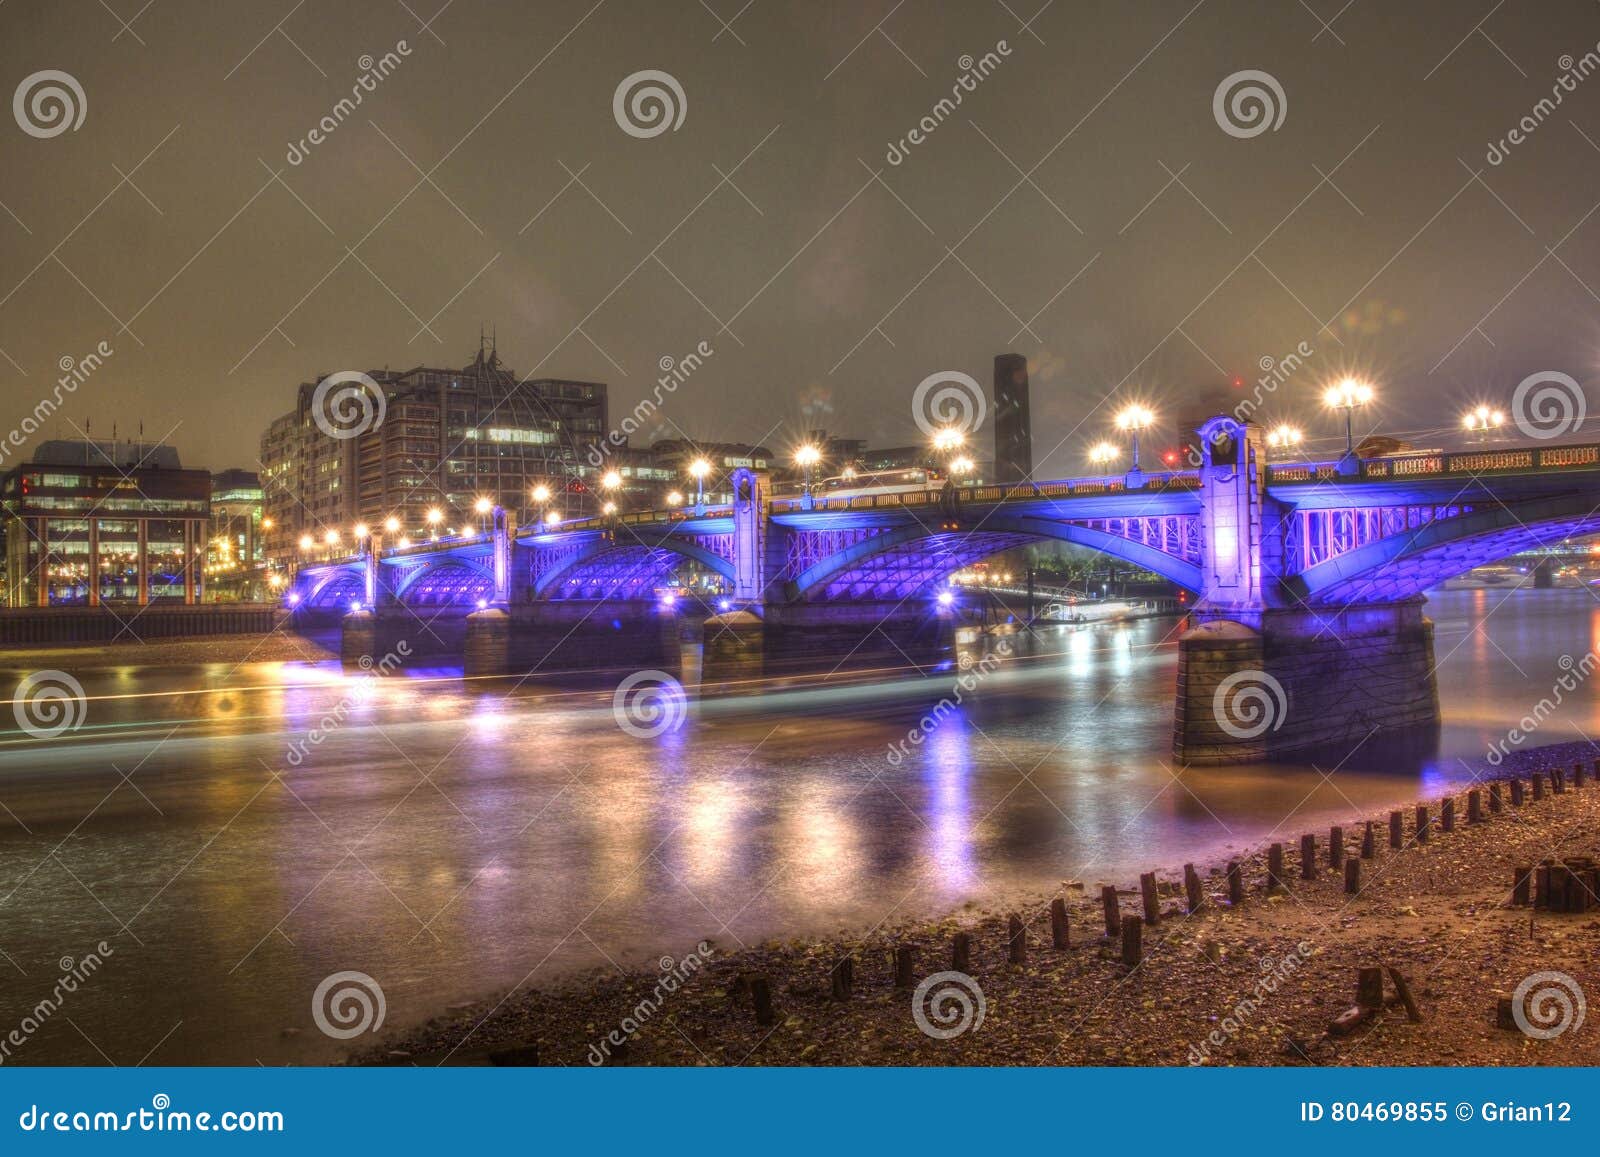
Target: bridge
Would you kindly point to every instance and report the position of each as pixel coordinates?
(1308, 577)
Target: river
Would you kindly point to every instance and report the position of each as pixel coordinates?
(454, 839)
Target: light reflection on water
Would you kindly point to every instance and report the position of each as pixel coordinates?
(451, 840)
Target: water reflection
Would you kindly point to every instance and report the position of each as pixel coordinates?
(451, 839)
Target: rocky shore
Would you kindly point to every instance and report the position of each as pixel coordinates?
(1254, 983)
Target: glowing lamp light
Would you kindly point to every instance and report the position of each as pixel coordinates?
(361, 531)
(405, 543)
(331, 538)
(1284, 437)
(552, 519)
(948, 438)
(435, 516)
(699, 468)
(674, 498)
(483, 506)
(266, 524)
(1347, 394)
(962, 467)
(355, 606)
(946, 598)
(669, 600)
(807, 455)
(724, 604)
(1135, 418)
(541, 493)
(611, 480)
(609, 508)
(483, 604)
(1103, 452)
(306, 542)
(294, 598)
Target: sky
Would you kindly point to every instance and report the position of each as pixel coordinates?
(1087, 204)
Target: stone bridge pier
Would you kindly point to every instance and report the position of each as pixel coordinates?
(1265, 675)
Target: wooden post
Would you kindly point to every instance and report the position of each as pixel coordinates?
(761, 993)
(1474, 806)
(961, 952)
(1016, 940)
(1152, 902)
(1403, 991)
(1504, 1017)
(1516, 793)
(1369, 988)
(1113, 913)
(1308, 857)
(1132, 944)
(1336, 847)
(1369, 843)
(1059, 934)
(1422, 823)
(1538, 786)
(1275, 867)
(1447, 814)
(1522, 886)
(1577, 776)
(1494, 799)
(1235, 883)
(1191, 888)
(1396, 832)
(1558, 781)
(843, 977)
(1352, 877)
(905, 962)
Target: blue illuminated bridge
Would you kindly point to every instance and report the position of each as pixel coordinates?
(1307, 576)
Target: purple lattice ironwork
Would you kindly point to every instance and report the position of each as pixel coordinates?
(1314, 536)
(1174, 534)
(807, 548)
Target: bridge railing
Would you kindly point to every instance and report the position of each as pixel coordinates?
(1064, 488)
(635, 518)
(1507, 461)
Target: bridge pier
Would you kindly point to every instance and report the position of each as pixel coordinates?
(569, 636)
(1307, 681)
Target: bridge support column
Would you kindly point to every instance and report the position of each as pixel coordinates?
(1307, 683)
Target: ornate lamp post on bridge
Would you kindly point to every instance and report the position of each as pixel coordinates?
(807, 457)
(1346, 396)
(1135, 419)
(698, 470)
(1481, 420)
(1284, 438)
(1103, 452)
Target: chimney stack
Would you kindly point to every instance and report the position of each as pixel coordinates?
(1013, 436)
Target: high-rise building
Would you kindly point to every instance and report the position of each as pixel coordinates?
(89, 523)
(1013, 433)
(441, 440)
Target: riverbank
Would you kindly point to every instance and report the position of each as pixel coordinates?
(1258, 983)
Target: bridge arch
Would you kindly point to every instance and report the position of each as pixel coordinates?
(1405, 564)
(903, 560)
(335, 587)
(450, 581)
(606, 568)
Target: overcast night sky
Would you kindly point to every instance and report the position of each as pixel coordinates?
(1148, 253)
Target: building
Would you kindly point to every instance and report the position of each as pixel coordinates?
(676, 455)
(439, 441)
(89, 523)
(1013, 428)
(235, 554)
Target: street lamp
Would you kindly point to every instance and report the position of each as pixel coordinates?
(806, 457)
(435, 517)
(609, 509)
(307, 542)
(962, 467)
(391, 524)
(1135, 419)
(610, 482)
(1346, 396)
(1102, 452)
(1481, 421)
(1284, 437)
(674, 498)
(361, 530)
(698, 469)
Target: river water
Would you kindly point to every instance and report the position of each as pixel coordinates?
(452, 839)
